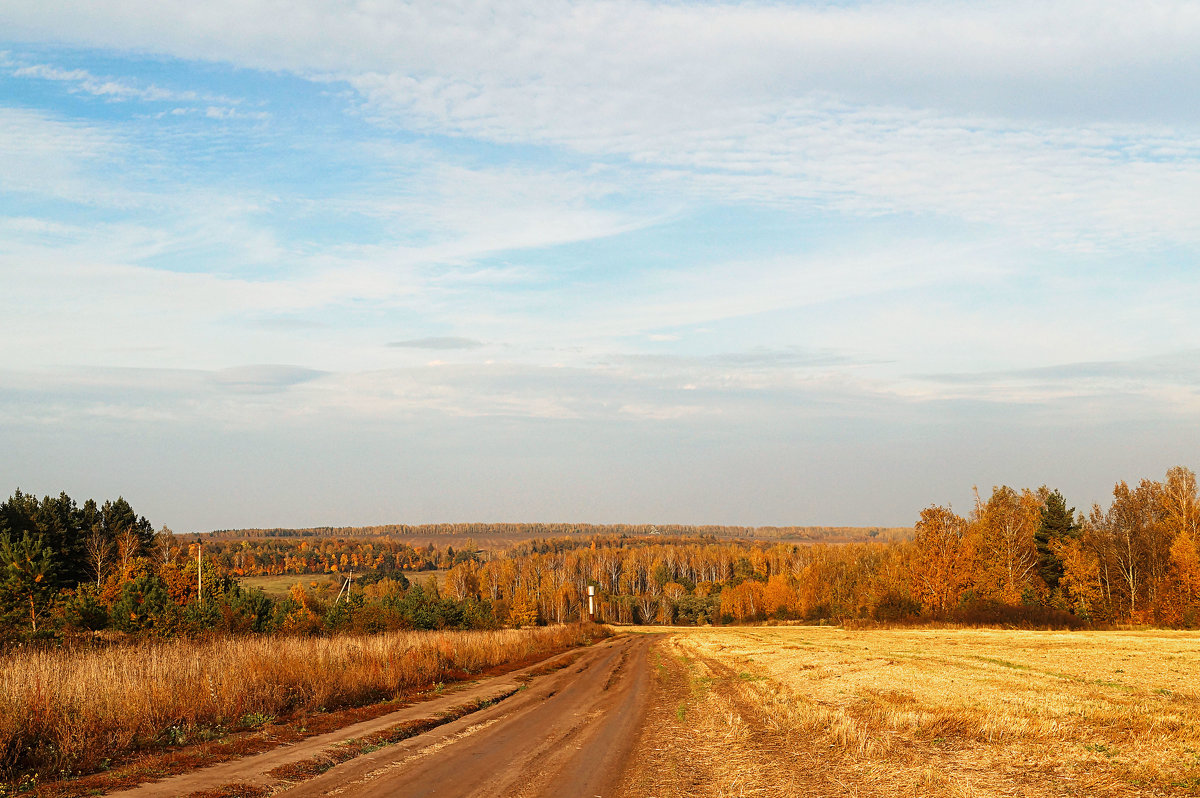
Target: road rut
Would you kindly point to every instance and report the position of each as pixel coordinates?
(569, 732)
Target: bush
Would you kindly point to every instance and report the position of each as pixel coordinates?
(696, 610)
(144, 605)
(893, 607)
(997, 613)
(81, 609)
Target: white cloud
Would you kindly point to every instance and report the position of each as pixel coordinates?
(111, 89)
(1025, 157)
(754, 389)
(464, 212)
(108, 88)
(1072, 123)
(46, 156)
(988, 56)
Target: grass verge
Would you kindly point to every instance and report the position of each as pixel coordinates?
(65, 713)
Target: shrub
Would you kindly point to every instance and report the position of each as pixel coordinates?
(996, 613)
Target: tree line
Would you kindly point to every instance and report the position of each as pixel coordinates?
(528, 531)
(66, 568)
(1018, 555)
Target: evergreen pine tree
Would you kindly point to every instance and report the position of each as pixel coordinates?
(26, 578)
(1057, 525)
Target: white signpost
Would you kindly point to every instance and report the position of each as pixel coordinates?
(592, 603)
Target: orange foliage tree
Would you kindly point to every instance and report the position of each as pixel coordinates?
(944, 559)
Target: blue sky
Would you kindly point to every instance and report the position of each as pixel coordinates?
(778, 263)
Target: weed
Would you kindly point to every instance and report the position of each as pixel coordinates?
(1102, 749)
(255, 720)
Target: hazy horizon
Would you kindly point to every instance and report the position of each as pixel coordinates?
(784, 264)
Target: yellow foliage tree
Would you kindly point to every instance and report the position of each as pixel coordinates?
(1179, 602)
(524, 610)
(944, 559)
(1080, 581)
(779, 597)
(1007, 555)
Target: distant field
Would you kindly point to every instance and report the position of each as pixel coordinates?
(280, 585)
(823, 711)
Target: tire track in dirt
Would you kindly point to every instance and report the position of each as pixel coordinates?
(541, 731)
(568, 734)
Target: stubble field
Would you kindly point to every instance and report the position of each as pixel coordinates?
(922, 712)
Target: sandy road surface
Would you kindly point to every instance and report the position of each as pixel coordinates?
(566, 733)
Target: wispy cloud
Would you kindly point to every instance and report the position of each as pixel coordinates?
(769, 231)
(1006, 114)
(1180, 368)
(47, 156)
(264, 378)
(436, 342)
(109, 88)
(753, 359)
(1164, 386)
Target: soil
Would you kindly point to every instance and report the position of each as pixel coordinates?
(545, 730)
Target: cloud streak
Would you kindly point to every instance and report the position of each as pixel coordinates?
(438, 342)
(652, 232)
(108, 88)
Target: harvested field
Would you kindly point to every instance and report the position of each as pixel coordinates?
(920, 712)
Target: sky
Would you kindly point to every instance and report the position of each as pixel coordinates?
(299, 263)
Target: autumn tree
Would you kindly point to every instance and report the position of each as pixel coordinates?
(462, 581)
(99, 552)
(944, 559)
(1180, 599)
(1008, 556)
(1081, 584)
(524, 610)
(1179, 509)
(647, 604)
(1125, 531)
(779, 597)
(744, 601)
(1180, 502)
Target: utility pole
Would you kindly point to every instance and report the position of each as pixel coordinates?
(345, 588)
(199, 573)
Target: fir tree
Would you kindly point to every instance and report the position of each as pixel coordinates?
(1057, 526)
(26, 578)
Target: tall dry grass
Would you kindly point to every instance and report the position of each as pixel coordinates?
(69, 711)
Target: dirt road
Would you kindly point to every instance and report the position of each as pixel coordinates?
(569, 732)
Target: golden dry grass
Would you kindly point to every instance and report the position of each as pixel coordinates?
(922, 712)
(72, 710)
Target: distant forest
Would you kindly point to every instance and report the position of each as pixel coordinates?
(1018, 557)
(510, 532)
